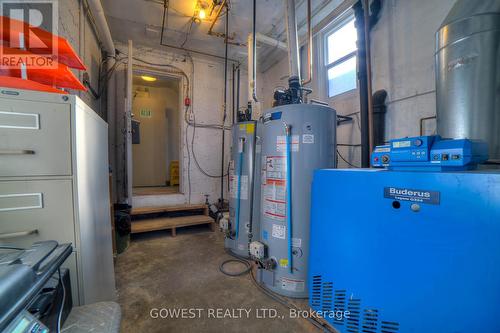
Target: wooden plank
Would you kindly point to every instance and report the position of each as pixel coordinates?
(165, 209)
(169, 223)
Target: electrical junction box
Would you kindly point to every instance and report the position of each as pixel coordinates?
(224, 224)
(257, 250)
(430, 153)
(406, 251)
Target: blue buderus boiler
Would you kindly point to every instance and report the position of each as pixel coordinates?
(412, 248)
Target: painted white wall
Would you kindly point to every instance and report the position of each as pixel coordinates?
(75, 26)
(152, 156)
(402, 45)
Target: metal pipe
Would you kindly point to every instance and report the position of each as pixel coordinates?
(165, 15)
(379, 111)
(362, 84)
(198, 52)
(222, 5)
(102, 27)
(271, 41)
(254, 53)
(128, 171)
(366, 12)
(422, 120)
(250, 64)
(224, 109)
(165, 12)
(233, 93)
(104, 33)
(238, 90)
(309, 45)
(467, 63)
(293, 40)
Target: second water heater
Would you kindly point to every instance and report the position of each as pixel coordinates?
(244, 191)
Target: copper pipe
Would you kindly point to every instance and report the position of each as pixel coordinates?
(254, 52)
(366, 12)
(197, 52)
(422, 120)
(309, 45)
(221, 7)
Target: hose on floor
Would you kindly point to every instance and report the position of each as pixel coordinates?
(318, 324)
(243, 272)
(236, 259)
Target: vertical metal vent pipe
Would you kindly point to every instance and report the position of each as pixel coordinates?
(468, 73)
(293, 40)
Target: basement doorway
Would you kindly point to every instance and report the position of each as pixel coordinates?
(155, 134)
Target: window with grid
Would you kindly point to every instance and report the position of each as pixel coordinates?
(341, 58)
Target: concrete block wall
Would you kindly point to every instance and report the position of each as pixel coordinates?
(402, 45)
(75, 26)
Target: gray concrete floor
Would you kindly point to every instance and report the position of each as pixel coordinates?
(160, 271)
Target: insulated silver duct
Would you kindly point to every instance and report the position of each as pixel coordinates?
(468, 73)
(293, 40)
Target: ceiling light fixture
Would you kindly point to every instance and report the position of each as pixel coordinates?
(148, 78)
(202, 14)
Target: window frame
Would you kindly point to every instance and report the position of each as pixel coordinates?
(336, 25)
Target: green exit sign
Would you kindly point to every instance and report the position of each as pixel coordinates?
(146, 113)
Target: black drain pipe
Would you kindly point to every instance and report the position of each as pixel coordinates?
(238, 90)
(379, 111)
(375, 8)
(233, 93)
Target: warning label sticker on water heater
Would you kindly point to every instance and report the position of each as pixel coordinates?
(281, 143)
(233, 186)
(274, 188)
(308, 138)
(292, 285)
(279, 231)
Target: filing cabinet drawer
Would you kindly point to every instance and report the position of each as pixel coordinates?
(35, 138)
(36, 210)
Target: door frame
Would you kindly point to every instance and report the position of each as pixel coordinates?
(141, 69)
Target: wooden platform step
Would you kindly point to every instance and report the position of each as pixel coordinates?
(167, 209)
(171, 223)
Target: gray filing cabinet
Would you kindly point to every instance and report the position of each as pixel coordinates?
(54, 184)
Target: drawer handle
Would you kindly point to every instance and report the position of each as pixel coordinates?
(19, 234)
(17, 152)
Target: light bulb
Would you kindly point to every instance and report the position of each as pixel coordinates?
(202, 14)
(148, 78)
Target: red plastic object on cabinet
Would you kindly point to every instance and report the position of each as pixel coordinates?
(17, 83)
(57, 75)
(39, 42)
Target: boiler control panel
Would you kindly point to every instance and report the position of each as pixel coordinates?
(430, 153)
